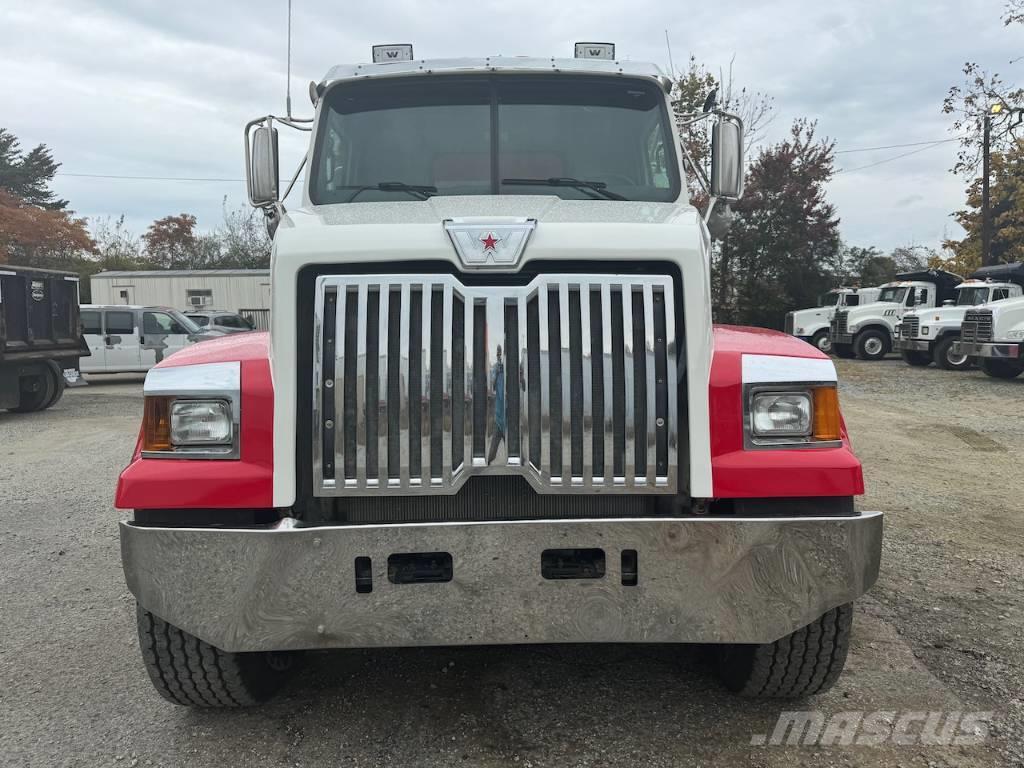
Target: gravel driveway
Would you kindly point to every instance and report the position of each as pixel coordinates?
(940, 632)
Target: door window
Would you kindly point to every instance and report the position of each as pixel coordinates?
(91, 323)
(160, 323)
(120, 323)
(231, 321)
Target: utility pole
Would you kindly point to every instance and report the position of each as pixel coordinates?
(986, 214)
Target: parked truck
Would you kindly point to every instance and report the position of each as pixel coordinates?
(812, 325)
(492, 407)
(869, 331)
(993, 335)
(40, 336)
(930, 335)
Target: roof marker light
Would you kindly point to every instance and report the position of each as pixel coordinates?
(382, 54)
(595, 50)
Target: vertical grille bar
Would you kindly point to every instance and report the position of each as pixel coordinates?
(495, 336)
(469, 337)
(650, 430)
(425, 379)
(661, 385)
(612, 384)
(381, 407)
(628, 371)
(403, 399)
(586, 362)
(480, 398)
(674, 388)
(415, 347)
(543, 349)
(447, 367)
(577, 397)
(362, 298)
(327, 357)
(341, 425)
(523, 384)
(555, 383)
(350, 406)
(458, 351)
(512, 392)
(534, 383)
(372, 385)
(565, 369)
(437, 387)
(395, 401)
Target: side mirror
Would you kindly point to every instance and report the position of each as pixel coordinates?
(261, 165)
(727, 158)
(948, 303)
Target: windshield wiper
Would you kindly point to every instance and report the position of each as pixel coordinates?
(599, 187)
(419, 191)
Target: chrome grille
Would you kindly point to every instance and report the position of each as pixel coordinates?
(839, 322)
(789, 323)
(910, 327)
(412, 395)
(976, 327)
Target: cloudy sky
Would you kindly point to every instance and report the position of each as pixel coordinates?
(144, 88)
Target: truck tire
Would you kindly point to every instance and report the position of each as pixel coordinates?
(822, 340)
(947, 359)
(804, 663)
(1000, 369)
(845, 351)
(872, 344)
(40, 391)
(915, 358)
(187, 671)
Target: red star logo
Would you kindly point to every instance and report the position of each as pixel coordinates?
(490, 241)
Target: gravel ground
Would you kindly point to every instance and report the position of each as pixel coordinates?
(941, 631)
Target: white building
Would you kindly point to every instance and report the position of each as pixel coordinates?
(227, 289)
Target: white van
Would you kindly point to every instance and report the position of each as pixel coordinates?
(125, 338)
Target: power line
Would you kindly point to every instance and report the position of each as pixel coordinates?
(886, 160)
(143, 178)
(896, 146)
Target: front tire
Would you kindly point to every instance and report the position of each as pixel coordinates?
(1000, 369)
(915, 358)
(804, 663)
(187, 671)
(872, 344)
(844, 351)
(822, 340)
(947, 359)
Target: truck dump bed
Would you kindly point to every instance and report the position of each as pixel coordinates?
(39, 317)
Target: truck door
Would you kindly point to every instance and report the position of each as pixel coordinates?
(162, 336)
(121, 341)
(92, 330)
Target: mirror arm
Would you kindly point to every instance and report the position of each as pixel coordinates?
(294, 178)
(710, 210)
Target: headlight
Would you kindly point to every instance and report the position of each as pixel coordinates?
(925, 330)
(781, 414)
(794, 416)
(201, 422)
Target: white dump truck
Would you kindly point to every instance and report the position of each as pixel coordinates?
(812, 325)
(993, 335)
(930, 335)
(868, 331)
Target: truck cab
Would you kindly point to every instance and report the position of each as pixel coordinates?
(930, 335)
(992, 335)
(812, 325)
(869, 331)
(492, 406)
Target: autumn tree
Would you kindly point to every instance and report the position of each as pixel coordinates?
(785, 235)
(173, 243)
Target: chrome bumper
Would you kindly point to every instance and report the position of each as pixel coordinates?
(978, 349)
(913, 345)
(711, 580)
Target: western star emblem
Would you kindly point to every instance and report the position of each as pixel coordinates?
(490, 242)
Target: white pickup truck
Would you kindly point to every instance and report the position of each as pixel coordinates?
(869, 331)
(993, 335)
(812, 325)
(930, 335)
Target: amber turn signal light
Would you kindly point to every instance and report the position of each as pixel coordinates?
(156, 424)
(826, 414)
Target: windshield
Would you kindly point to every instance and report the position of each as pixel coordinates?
(200, 320)
(830, 299)
(968, 297)
(894, 295)
(575, 137)
(187, 323)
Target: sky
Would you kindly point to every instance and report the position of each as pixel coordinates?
(143, 88)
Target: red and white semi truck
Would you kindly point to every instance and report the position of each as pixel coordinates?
(492, 407)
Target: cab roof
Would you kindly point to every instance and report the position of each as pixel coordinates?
(513, 64)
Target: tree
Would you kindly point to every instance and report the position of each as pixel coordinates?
(40, 237)
(785, 237)
(27, 176)
(173, 243)
(243, 239)
(1007, 211)
(847, 267)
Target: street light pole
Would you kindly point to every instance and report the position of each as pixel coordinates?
(986, 214)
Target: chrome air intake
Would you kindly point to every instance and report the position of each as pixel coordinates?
(420, 382)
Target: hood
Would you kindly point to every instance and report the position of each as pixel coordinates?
(874, 309)
(543, 208)
(938, 314)
(812, 313)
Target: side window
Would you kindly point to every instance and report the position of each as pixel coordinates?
(159, 323)
(1000, 293)
(91, 322)
(852, 300)
(229, 321)
(120, 323)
